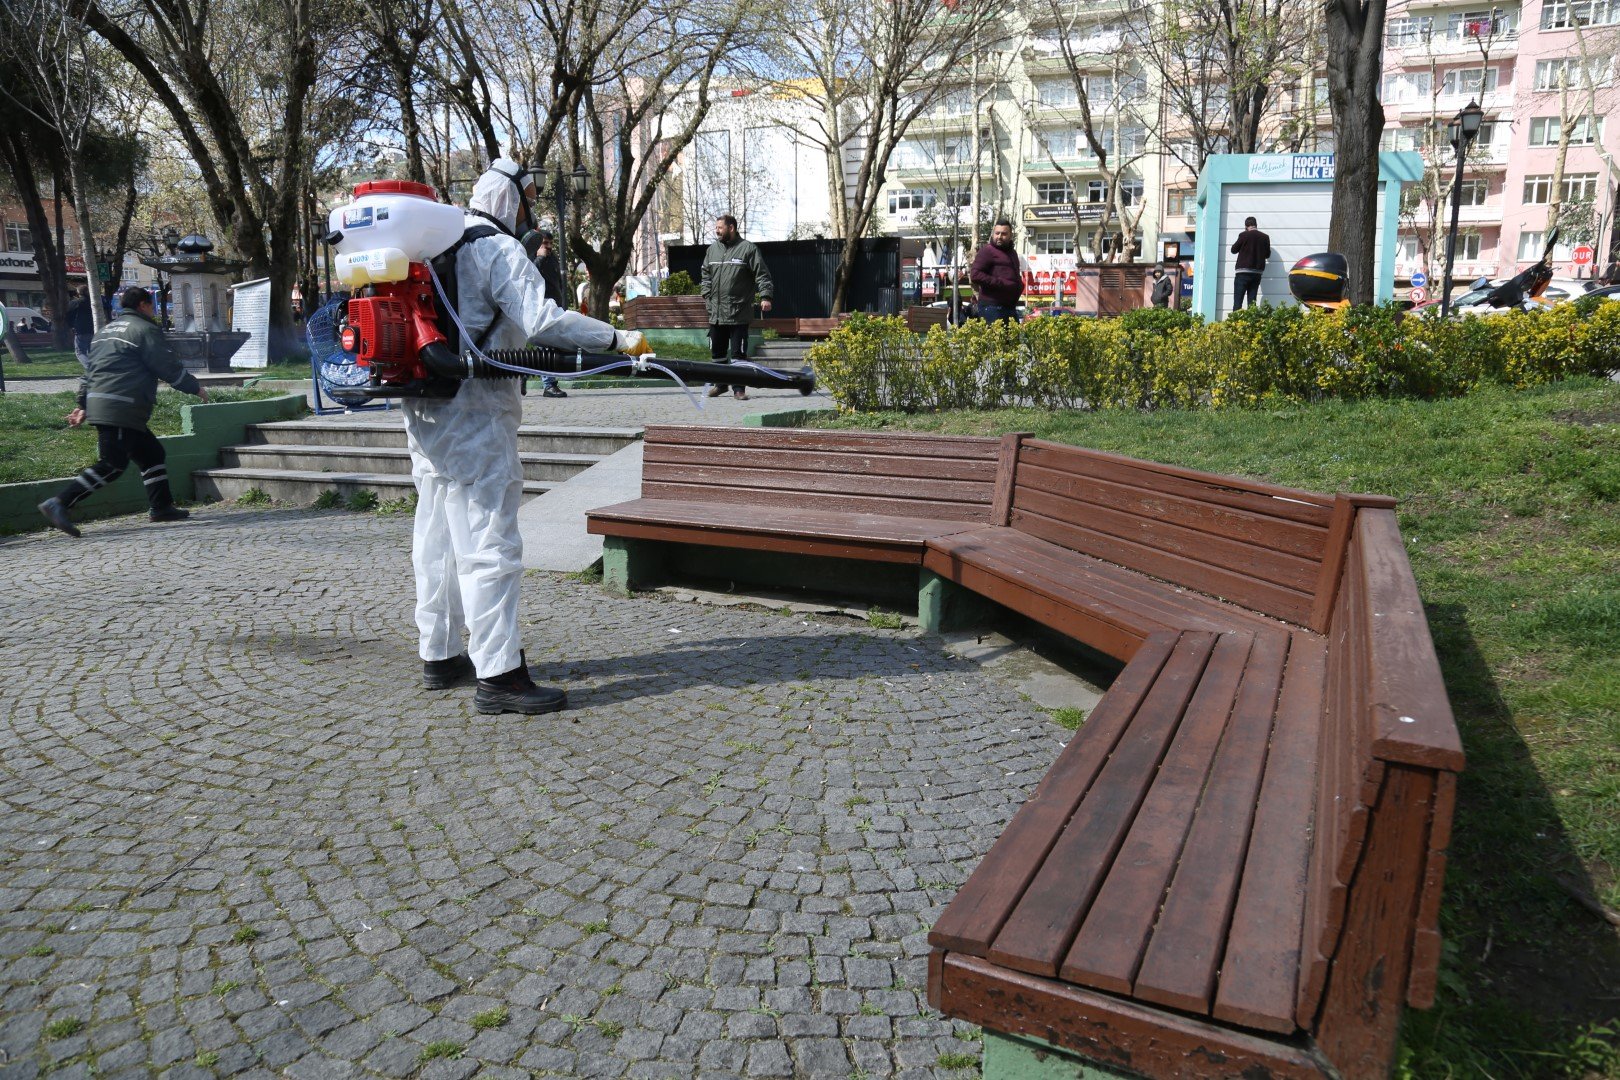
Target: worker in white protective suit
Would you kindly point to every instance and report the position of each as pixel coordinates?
(464, 459)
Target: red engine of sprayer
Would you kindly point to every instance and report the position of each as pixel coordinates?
(390, 324)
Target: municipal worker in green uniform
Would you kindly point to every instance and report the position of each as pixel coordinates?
(127, 358)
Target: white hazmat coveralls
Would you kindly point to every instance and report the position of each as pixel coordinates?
(466, 549)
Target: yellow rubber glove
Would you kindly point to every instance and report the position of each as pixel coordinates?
(631, 342)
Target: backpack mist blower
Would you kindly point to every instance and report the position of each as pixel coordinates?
(395, 248)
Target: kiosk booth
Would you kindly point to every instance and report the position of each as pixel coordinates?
(1291, 195)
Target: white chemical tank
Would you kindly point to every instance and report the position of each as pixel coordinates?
(396, 215)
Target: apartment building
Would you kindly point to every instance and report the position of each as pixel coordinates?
(1522, 63)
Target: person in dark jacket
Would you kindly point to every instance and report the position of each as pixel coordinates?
(1162, 287)
(83, 321)
(116, 395)
(733, 271)
(1252, 248)
(997, 278)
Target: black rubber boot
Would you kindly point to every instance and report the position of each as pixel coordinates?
(167, 513)
(57, 515)
(515, 691)
(443, 674)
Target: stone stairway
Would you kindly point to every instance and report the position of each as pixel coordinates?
(294, 461)
(785, 353)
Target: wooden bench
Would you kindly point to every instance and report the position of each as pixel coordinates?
(867, 496)
(1234, 867)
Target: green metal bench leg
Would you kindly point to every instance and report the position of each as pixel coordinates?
(1008, 1057)
(944, 605)
(630, 564)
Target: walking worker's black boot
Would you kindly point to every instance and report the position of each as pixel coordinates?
(170, 512)
(515, 691)
(443, 674)
(57, 514)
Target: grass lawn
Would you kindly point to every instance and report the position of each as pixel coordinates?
(1510, 505)
(37, 444)
(54, 363)
(287, 369)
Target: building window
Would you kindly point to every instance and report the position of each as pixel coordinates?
(1096, 191)
(1181, 201)
(1585, 131)
(1057, 93)
(1537, 190)
(913, 154)
(1566, 72)
(1468, 82)
(18, 238)
(911, 199)
(1404, 87)
(1580, 186)
(1531, 245)
(1053, 243)
(1114, 242)
(1467, 247)
(1462, 25)
(1131, 192)
(1054, 191)
(1567, 14)
(958, 196)
(1409, 31)
(1058, 144)
(1472, 192)
(957, 103)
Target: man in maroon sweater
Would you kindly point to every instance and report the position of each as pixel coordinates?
(996, 276)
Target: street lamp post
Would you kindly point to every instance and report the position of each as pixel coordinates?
(577, 184)
(1462, 131)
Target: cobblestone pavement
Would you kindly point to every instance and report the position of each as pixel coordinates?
(237, 839)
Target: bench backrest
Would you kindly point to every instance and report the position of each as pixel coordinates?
(1388, 759)
(1267, 548)
(943, 477)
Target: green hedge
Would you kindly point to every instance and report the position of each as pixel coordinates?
(1168, 359)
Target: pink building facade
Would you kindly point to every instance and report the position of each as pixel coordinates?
(1522, 64)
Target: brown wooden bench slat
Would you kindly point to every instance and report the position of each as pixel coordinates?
(788, 466)
(1190, 938)
(983, 903)
(1038, 933)
(1136, 492)
(1114, 933)
(836, 482)
(1148, 1040)
(964, 513)
(1025, 572)
(1284, 603)
(1289, 571)
(976, 447)
(1289, 503)
(1425, 975)
(1109, 628)
(1412, 719)
(1259, 976)
(851, 526)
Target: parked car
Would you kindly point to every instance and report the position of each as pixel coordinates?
(27, 320)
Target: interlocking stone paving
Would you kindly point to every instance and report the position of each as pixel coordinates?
(236, 837)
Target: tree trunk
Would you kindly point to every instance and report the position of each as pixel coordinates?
(1355, 30)
(47, 255)
(87, 238)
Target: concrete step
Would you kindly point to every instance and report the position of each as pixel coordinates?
(380, 459)
(532, 438)
(302, 488)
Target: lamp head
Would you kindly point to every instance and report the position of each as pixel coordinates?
(581, 180)
(1470, 118)
(171, 237)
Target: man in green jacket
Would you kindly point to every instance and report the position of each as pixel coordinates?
(732, 273)
(127, 358)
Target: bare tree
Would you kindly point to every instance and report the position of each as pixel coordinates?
(235, 77)
(1222, 67)
(1109, 97)
(871, 68)
(1355, 37)
(1581, 111)
(50, 50)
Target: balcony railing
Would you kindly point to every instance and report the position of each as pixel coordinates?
(1046, 166)
(1449, 42)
